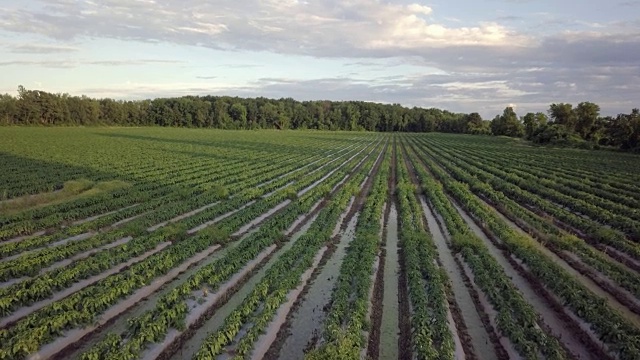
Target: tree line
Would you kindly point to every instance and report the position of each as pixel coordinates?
(34, 107)
(561, 125)
(565, 125)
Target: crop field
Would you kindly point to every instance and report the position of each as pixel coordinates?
(156, 243)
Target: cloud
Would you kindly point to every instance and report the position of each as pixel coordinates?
(509, 18)
(76, 63)
(41, 49)
(239, 66)
(310, 28)
(419, 9)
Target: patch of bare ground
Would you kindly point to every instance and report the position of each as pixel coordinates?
(377, 303)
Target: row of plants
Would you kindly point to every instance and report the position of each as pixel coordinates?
(515, 318)
(83, 307)
(348, 310)
(49, 321)
(130, 168)
(147, 179)
(196, 176)
(165, 208)
(621, 337)
(542, 228)
(430, 332)
(572, 185)
(153, 325)
(604, 211)
(254, 314)
(43, 286)
(614, 166)
(610, 172)
(31, 263)
(592, 230)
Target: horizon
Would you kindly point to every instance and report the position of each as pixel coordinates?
(464, 58)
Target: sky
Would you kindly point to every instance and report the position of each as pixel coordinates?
(463, 56)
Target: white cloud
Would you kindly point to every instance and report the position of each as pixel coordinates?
(41, 48)
(71, 63)
(420, 9)
(315, 28)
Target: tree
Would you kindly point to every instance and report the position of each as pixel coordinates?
(267, 115)
(624, 131)
(8, 109)
(350, 117)
(371, 117)
(221, 117)
(529, 122)
(507, 124)
(475, 124)
(238, 113)
(563, 114)
(587, 114)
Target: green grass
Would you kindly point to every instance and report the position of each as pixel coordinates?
(71, 190)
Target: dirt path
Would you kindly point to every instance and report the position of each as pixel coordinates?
(307, 320)
(183, 216)
(464, 347)
(246, 227)
(219, 218)
(326, 176)
(23, 237)
(304, 324)
(478, 335)
(96, 217)
(85, 254)
(266, 340)
(120, 324)
(389, 326)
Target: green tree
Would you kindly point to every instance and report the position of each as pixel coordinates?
(221, 117)
(8, 109)
(563, 114)
(238, 113)
(507, 124)
(475, 124)
(624, 131)
(587, 114)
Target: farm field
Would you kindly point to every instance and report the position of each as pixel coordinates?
(158, 243)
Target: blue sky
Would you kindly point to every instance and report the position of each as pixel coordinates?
(458, 55)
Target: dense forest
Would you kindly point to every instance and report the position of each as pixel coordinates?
(562, 124)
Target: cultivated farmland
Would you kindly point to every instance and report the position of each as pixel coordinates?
(152, 243)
